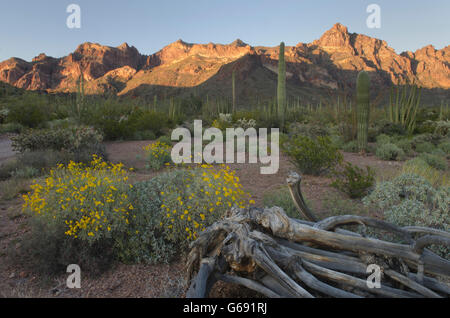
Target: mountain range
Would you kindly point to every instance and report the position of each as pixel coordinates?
(327, 64)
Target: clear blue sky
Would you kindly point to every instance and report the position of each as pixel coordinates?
(28, 28)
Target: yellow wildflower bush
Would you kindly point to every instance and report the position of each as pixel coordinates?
(194, 198)
(90, 201)
(157, 155)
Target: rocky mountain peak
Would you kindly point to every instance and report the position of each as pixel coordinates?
(337, 36)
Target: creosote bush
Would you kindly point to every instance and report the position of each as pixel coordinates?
(311, 155)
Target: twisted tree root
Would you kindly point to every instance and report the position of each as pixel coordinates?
(277, 256)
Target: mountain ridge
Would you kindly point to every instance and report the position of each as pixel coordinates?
(329, 62)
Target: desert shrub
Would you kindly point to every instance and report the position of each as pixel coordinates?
(334, 204)
(11, 128)
(435, 161)
(25, 172)
(431, 138)
(352, 180)
(419, 167)
(165, 140)
(223, 122)
(146, 244)
(12, 188)
(445, 147)
(311, 155)
(438, 152)
(81, 206)
(47, 249)
(141, 120)
(351, 146)
(144, 135)
(426, 127)
(193, 199)
(282, 198)
(383, 139)
(157, 155)
(309, 130)
(405, 145)
(71, 139)
(372, 134)
(245, 123)
(410, 200)
(425, 147)
(389, 151)
(391, 129)
(43, 159)
(337, 140)
(7, 169)
(442, 128)
(29, 111)
(61, 123)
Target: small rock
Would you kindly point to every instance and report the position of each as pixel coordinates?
(12, 275)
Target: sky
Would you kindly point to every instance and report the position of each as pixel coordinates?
(28, 28)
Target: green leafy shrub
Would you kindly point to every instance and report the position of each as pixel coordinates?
(309, 130)
(11, 128)
(282, 198)
(383, 139)
(145, 242)
(435, 161)
(337, 140)
(144, 135)
(7, 169)
(442, 128)
(29, 111)
(405, 145)
(351, 146)
(165, 140)
(352, 180)
(311, 155)
(389, 151)
(431, 138)
(445, 147)
(157, 155)
(334, 204)
(425, 147)
(410, 200)
(392, 129)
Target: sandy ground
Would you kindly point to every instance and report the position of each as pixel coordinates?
(6, 151)
(144, 280)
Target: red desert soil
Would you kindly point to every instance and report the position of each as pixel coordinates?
(146, 280)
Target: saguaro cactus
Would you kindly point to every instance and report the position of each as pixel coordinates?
(281, 92)
(363, 108)
(233, 84)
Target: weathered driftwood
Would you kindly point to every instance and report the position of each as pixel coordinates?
(277, 256)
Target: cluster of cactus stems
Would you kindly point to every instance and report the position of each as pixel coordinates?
(363, 108)
(281, 91)
(403, 106)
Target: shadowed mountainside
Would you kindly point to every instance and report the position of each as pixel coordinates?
(327, 64)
